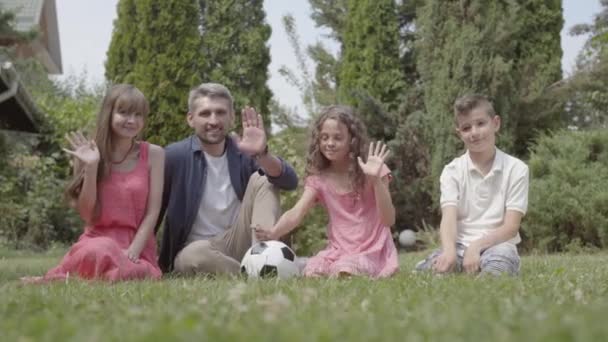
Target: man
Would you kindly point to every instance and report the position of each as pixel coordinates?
(217, 187)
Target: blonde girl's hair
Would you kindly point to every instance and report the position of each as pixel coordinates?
(120, 97)
(316, 161)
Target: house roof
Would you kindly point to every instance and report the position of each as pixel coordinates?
(27, 12)
(39, 15)
(17, 109)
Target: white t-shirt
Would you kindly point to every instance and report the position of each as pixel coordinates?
(219, 205)
(482, 201)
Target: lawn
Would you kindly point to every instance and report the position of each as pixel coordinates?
(556, 298)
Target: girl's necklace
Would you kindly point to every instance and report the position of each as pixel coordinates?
(126, 154)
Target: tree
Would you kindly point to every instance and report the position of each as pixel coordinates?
(234, 44)
(370, 75)
(330, 14)
(507, 50)
(587, 90)
(156, 47)
(316, 90)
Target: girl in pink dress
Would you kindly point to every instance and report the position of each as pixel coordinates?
(117, 190)
(355, 194)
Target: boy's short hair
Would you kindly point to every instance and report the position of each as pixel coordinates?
(212, 90)
(467, 103)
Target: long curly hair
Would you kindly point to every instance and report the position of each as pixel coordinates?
(123, 97)
(316, 161)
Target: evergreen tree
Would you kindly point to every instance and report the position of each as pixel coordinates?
(317, 90)
(586, 92)
(234, 45)
(156, 47)
(370, 75)
(507, 50)
(332, 15)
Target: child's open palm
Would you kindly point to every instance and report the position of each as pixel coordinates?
(86, 151)
(378, 153)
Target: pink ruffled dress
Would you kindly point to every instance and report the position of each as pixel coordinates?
(358, 243)
(99, 252)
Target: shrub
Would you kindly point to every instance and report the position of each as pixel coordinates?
(412, 185)
(31, 203)
(568, 199)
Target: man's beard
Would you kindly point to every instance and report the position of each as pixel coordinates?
(212, 142)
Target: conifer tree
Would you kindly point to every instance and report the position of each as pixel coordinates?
(235, 50)
(507, 50)
(370, 73)
(156, 47)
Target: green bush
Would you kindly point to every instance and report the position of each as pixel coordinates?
(412, 184)
(568, 199)
(34, 170)
(33, 212)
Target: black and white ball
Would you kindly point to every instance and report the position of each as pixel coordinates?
(269, 259)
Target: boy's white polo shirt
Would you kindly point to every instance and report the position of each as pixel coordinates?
(483, 201)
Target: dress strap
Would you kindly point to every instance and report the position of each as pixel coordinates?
(143, 151)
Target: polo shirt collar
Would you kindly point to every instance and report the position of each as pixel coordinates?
(497, 164)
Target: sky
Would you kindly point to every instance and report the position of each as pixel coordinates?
(85, 30)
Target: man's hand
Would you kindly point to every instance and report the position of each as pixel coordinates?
(445, 262)
(253, 141)
(472, 256)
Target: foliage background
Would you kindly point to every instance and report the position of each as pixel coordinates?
(433, 52)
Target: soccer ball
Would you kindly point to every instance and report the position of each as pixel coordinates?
(269, 259)
(407, 238)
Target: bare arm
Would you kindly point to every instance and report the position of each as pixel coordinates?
(86, 160)
(384, 202)
(504, 233)
(88, 194)
(290, 219)
(447, 232)
(144, 232)
(372, 168)
(510, 227)
(447, 228)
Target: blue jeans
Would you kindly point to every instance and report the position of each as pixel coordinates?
(499, 259)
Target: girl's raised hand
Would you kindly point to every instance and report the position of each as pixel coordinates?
(86, 151)
(378, 153)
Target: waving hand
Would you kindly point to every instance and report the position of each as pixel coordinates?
(86, 151)
(378, 153)
(254, 137)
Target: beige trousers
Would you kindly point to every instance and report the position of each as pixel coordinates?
(222, 254)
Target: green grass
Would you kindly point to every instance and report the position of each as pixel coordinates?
(556, 298)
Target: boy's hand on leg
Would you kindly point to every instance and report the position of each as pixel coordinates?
(471, 259)
(445, 262)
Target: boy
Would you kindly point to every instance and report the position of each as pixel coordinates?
(484, 195)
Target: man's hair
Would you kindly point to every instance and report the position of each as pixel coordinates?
(466, 104)
(212, 90)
